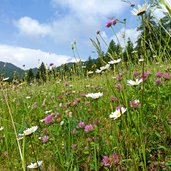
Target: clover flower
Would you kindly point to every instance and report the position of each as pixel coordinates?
(1, 128)
(119, 111)
(81, 124)
(111, 22)
(88, 128)
(135, 103)
(106, 161)
(141, 9)
(48, 119)
(166, 76)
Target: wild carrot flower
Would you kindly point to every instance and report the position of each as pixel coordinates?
(94, 95)
(141, 9)
(118, 112)
(88, 128)
(134, 83)
(35, 165)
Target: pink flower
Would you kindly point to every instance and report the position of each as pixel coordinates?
(88, 128)
(45, 138)
(116, 158)
(118, 86)
(106, 161)
(113, 99)
(135, 103)
(73, 146)
(48, 119)
(81, 124)
(159, 74)
(111, 22)
(166, 76)
(135, 74)
(158, 81)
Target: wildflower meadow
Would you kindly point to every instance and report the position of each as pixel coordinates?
(111, 115)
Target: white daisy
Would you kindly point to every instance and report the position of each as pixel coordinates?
(30, 130)
(114, 61)
(94, 95)
(35, 165)
(134, 83)
(141, 9)
(1, 128)
(117, 113)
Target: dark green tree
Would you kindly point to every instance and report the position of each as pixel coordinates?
(42, 72)
(30, 76)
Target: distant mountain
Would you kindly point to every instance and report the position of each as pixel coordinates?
(9, 70)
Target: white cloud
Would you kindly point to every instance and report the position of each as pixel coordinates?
(91, 7)
(30, 57)
(80, 21)
(31, 26)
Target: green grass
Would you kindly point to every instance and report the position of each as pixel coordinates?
(140, 137)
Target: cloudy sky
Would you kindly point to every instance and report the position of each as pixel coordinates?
(32, 31)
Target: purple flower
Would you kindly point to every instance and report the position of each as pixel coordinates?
(118, 86)
(135, 103)
(73, 146)
(166, 76)
(48, 119)
(113, 99)
(45, 138)
(159, 74)
(135, 74)
(81, 124)
(111, 22)
(106, 161)
(116, 158)
(51, 64)
(158, 81)
(88, 128)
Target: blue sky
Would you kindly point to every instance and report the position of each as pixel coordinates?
(33, 31)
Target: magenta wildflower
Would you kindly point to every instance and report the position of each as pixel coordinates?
(159, 74)
(111, 22)
(73, 146)
(106, 161)
(116, 158)
(166, 76)
(81, 124)
(45, 138)
(48, 119)
(135, 103)
(113, 99)
(88, 128)
(135, 74)
(118, 86)
(158, 81)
